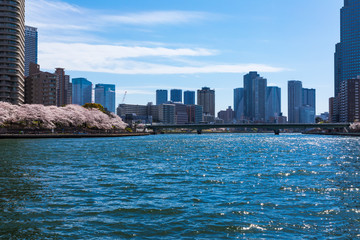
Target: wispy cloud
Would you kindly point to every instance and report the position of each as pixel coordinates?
(155, 17)
(47, 14)
(127, 60)
(113, 52)
(69, 38)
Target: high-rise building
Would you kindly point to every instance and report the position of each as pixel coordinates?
(309, 104)
(346, 59)
(294, 100)
(189, 97)
(31, 47)
(349, 100)
(337, 68)
(333, 109)
(12, 44)
(273, 103)
(105, 95)
(248, 95)
(161, 96)
(206, 99)
(81, 91)
(308, 97)
(301, 103)
(239, 104)
(176, 95)
(347, 55)
(254, 94)
(40, 87)
(63, 87)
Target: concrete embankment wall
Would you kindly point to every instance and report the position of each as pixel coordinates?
(14, 136)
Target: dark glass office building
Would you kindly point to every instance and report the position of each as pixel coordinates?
(31, 48)
(239, 104)
(189, 97)
(176, 95)
(294, 100)
(161, 96)
(254, 97)
(347, 55)
(346, 60)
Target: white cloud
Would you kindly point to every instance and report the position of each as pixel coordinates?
(52, 15)
(122, 60)
(112, 52)
(155, 17)
(68, 32)
(47, 14)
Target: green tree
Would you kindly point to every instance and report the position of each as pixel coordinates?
(95, 105)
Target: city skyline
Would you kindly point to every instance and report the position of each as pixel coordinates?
(161, 37)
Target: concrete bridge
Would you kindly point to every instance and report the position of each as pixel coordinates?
(273, 126)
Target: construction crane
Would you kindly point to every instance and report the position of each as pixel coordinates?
(123, 100)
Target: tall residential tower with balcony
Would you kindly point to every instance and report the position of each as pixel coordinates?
(12, 51)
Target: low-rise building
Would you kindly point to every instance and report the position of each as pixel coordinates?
(227, 115)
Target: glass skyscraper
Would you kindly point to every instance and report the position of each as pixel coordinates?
(346, 62)
(189, 97)
(347, 55)
(176, 95)
(294, 100)
(31, 47)
(273, 103)
(239, 104)
(12, 44)
(81, 91)
(161, 96)
(254, 94)
(105, 95)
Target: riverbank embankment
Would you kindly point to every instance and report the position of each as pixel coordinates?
(75, 135)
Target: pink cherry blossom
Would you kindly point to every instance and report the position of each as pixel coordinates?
(50, 117)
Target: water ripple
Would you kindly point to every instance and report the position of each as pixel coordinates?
(221, 186)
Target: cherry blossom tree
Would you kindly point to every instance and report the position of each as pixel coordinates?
(51, 117)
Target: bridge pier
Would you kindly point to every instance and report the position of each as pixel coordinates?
(277, 131)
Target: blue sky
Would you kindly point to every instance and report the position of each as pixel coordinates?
(144, 45)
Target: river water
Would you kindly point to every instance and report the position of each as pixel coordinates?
(210, 186)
